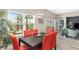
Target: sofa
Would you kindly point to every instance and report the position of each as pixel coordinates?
(72, 33)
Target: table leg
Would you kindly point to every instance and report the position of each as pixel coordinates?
(19, 43)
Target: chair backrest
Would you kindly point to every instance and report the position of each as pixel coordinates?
(46, 43)
(27, 33)
(49, 30)
(14, 42)
(53, 39)
(34, 31)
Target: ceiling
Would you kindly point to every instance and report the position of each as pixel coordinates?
(62, 11)
(55, 11)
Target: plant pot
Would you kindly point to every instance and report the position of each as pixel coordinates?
(1, 42)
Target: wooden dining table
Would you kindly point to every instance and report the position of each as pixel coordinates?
(32, 41)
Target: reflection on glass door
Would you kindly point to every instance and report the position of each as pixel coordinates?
(29, 22)
(19, 25)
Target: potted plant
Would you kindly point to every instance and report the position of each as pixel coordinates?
(4, 25)
(0, 40)
(64, 32)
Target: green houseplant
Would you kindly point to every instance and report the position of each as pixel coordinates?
(64, 32)
(4, 24)
(2, 14)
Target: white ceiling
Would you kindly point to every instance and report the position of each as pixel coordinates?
(62, 11)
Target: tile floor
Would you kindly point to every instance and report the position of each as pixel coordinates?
(63, 43)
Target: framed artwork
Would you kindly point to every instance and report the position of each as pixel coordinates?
(61, 23)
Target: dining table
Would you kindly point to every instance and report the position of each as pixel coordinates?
(32, 41)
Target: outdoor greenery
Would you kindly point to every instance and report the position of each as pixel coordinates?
(19, 16)
(30, 26)
(2, 13)
(28, 18)
(12, 28)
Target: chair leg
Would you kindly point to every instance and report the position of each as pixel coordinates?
(55, 47)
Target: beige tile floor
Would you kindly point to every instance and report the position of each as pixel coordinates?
(63, 43)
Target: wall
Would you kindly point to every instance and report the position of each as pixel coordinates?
(46, 14)
(63, 16)
(70, 14)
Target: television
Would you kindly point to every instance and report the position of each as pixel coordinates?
(76, 26)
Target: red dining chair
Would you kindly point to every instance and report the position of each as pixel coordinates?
(15, 43)
(49, 30)
(53, 40)
(46, 43)
(34, 32)
(27, 33)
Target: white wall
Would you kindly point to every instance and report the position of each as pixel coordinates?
(63, 16)
(46, 14)
(35, 11)
(70, 14)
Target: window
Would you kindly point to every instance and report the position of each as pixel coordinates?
(16, 20)
(30, 22)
